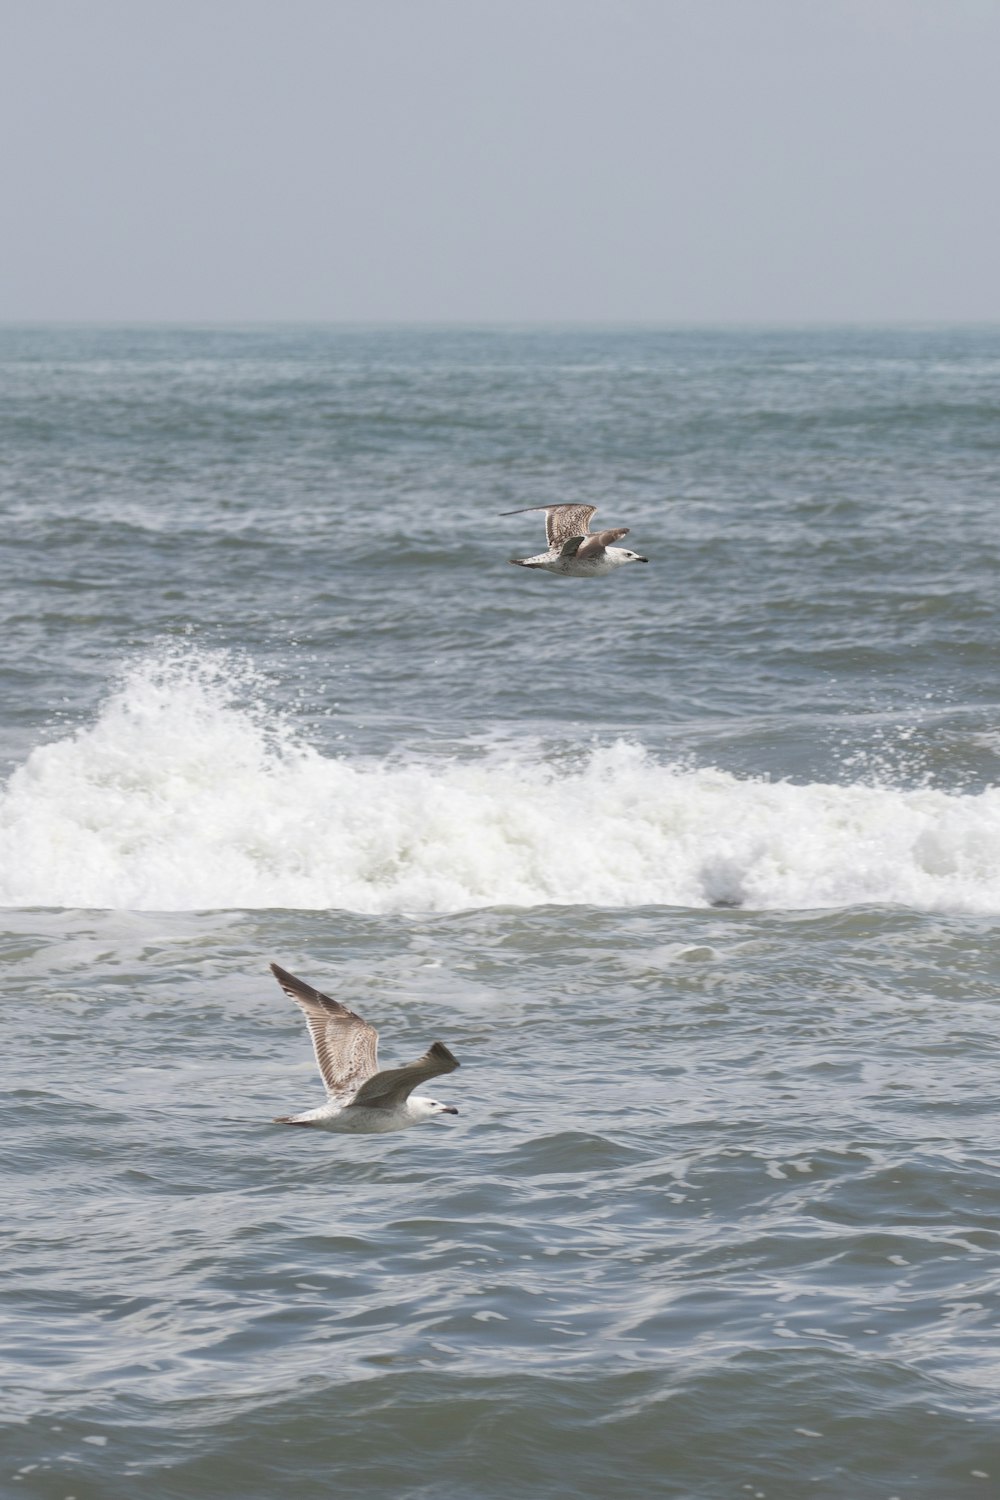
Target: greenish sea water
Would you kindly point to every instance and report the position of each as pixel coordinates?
(696, 868)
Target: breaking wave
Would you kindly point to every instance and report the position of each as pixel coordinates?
(181, 797)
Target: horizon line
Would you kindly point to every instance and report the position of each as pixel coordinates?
(509, 324)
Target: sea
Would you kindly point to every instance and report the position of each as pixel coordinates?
(695, 868)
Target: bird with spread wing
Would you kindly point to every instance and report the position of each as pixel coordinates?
(574, 550)
(361, 1098)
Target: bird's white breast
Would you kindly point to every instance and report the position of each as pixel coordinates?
(363, 1121)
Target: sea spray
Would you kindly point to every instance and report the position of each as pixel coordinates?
(185, 794)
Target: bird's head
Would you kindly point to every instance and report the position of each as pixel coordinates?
(424, 1108)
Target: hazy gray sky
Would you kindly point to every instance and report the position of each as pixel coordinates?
(495, 160)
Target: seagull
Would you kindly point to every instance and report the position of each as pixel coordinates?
(573, 549)
(361, 1100)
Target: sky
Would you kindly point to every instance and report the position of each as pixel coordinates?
(485, 161)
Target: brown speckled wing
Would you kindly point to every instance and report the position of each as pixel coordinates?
(389, 1088)
(564, 521)
(594, 545)
(561, 521)
(346, 1047)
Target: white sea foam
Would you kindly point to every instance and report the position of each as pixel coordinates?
(179, 798)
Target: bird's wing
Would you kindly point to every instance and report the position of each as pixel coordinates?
(593, 546)
(389, 1088)
(346, 1047)
(561, 521)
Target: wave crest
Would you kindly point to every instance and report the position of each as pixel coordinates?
(179, 797)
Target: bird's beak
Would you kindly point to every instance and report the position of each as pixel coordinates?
(449, 1110)
(642, 559)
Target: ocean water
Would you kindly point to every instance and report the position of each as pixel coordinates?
(696, 868)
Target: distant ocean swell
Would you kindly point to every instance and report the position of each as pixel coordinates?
(179, 797)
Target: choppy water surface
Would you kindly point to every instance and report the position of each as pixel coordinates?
(697, 869)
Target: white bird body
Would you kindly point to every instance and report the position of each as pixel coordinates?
(575, 551)
(361, 1098)
(357, 1120)
(606, 561)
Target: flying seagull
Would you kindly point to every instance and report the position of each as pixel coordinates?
(574, 549)
(360, 1099)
